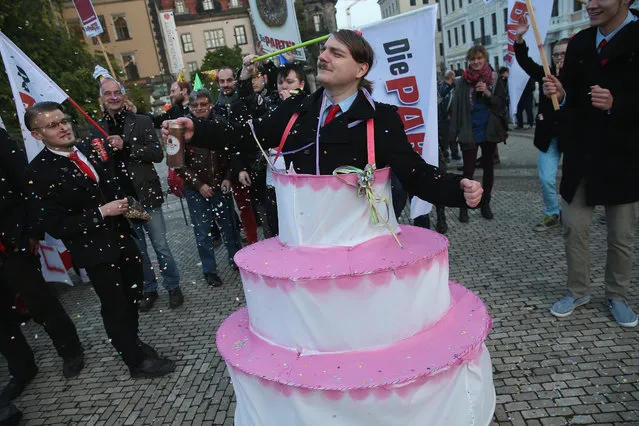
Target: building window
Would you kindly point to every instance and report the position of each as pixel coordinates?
(317, 22)
(234, 4)
(179, 7)
(121, 27)
(413, 2)
(187, 43)
(463, 33)
(208, 5)
(75, 27)
(496, 59)
(424, 1)
(472, 30)
(555, 8)
(482, 28)
(450, 44)
(192, 66)
(456, 37)
(494, 22)
(577, 5)
(446, 6)
(460, 3)
(240, 35)
(505, 19)
(441, 49)
(452, 5)
(214, 38)
(130, 67)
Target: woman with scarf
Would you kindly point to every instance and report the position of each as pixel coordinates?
(479, 118)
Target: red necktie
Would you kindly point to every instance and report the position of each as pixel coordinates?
(83, 166)
(603, 44)
(332, 112)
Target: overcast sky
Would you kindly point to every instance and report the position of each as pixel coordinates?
(364, 12)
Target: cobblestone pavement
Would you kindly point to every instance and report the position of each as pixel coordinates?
(579, 370)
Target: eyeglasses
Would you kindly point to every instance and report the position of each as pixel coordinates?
(200, 105)
(54, 124)
(558, 55)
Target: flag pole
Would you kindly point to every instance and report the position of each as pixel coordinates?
(542, 51)
(92, 121)
(288, 49)
(106, 57)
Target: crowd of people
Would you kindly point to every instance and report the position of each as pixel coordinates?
(73, 192)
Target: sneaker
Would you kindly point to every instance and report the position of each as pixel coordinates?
(148, 300)
(176, 298)
(463, 215)
(622, 313)
(549, 222)
(565, 306)
(213, 280)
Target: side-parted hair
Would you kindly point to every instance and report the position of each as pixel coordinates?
(38, 109)
(200, 93)
(286, 69)
(475, 50)
(184, 85)
(360, 50)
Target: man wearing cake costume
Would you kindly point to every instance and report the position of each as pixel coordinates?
(350, 317)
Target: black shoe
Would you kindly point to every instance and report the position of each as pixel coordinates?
(15, 387)
(72, 366)
(463, 215)
(422, 221)
(176, 298)
(10, 415)
(441, 226)
(147, 349)
(213, 280)
(148, 299)
(486, 212)
(153, 367)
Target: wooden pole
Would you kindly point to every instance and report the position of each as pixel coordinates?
(542, 51)
(106, 57)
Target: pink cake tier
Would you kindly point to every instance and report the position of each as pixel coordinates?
(337, 299)
(323, 210)
(439, 376)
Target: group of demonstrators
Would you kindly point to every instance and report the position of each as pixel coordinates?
(83, 198)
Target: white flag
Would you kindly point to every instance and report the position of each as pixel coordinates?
(517, 78)
(405, 75)
(171, 41)
(29, 85)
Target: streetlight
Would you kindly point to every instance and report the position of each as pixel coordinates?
(348, 13)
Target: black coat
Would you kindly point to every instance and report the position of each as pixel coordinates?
(547, 120)
(601, 147)
(176, 111)
(65, 204)
(342, 146)
(15, 228)
(141, 149)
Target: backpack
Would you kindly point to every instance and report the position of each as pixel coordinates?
(176, 184)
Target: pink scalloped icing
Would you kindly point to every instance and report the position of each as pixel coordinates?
(317, 182)
(275, 260)
(451, 341)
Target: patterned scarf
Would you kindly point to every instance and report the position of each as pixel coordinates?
(473, 77)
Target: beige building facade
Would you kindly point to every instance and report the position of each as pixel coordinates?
(128, 35)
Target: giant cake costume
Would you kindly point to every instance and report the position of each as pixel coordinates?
(351, 319)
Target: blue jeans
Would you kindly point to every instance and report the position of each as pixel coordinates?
(208, 211)
(547, 165)
(156, 230)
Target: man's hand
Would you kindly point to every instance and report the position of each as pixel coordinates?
(289, 56)
(552, 86)
(34, 246)
(130, 106)
(115, 142)
(601, 98)
(206, 191)
(522, 28)
(225, 186)
(483, 89)
(115, 208)
(248, 67)
(472, 191)
(186, 122)
(244, 178)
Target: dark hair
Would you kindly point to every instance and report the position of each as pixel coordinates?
(360, 50)
(37, 109)
(503, 70)
(562, 41)
(184, 85)
(222, 68)
(477, 49)
(200, 93)
(286, 69)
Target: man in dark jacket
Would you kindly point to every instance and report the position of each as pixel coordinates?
(546, 129)
(525, 104)
(20, 273)
(598, 90)
(75, 197)
(343, 65)
(135, 147)
(179, 94)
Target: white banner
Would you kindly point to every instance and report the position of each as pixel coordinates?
(276, 25)
(88, 17)
(171, 41)
(30, 85)
(405, 74)
(517, 78)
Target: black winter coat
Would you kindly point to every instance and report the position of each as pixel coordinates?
(601, 148)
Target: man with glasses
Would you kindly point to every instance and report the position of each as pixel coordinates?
(547, 127)
(135, 147)
(75, 197)
(207, 187)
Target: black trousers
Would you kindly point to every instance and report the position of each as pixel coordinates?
(21, 274)
(525, 104)
(264, 201)
(119, 287)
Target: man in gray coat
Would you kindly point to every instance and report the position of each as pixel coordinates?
(135, 147)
